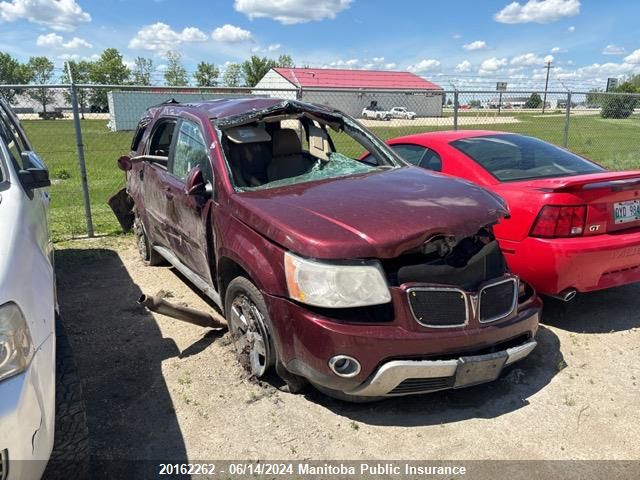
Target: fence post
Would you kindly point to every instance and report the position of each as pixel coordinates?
(80, 151)
(455, 109)
(567, 117)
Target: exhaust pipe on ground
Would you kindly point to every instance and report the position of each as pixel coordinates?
(179, 312)
(567, 295)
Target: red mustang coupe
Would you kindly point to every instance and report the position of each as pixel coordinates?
(574, 226)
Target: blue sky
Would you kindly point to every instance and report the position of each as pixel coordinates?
(461, 42)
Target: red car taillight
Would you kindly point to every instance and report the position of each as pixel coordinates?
(554, 221)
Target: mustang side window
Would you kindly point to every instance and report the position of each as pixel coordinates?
(191, 151)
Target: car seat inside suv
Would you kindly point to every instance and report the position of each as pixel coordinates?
(289, 160)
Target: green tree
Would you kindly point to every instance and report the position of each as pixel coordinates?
(285, 61)
(475, 104)
(594, 98)
(109, 69)
(535, 101)
(142, 69)
(206, 75)
(175, 75)
(232, 75)
(12, 72)
(41, 73)
(255, 68)
(80, 74)
(623, 104)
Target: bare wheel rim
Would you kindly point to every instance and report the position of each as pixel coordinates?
(250, 334)
(142, 241)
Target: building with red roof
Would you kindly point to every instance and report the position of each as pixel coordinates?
(354, 90)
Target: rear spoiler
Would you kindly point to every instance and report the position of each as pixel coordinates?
(611, 180)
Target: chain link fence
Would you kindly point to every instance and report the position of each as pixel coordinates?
(602, 126)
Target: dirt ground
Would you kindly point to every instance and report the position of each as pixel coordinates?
(157, 388)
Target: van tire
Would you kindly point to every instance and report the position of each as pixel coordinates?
(148, 255)
(70, 455)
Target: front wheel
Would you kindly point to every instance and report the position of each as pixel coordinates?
(249, 323)
(70, 455)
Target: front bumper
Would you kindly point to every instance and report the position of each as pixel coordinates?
(586, 264)
(306, 340)
(27, 409)
(404, 377)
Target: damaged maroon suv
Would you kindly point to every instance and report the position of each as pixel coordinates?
(333, 260)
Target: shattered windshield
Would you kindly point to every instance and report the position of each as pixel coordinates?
(338, 166)
(277, 150)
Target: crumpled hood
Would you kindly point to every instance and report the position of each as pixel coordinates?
(376, 215)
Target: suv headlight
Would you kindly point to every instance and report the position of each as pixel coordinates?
(334, 285)
(16, 349)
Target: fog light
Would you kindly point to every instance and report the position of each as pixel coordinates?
(344, 366)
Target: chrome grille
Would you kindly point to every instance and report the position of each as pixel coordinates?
(498, 300)
(422, 385)
(438, 307)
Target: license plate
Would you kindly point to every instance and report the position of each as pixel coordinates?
(624, 212)
(479, 369)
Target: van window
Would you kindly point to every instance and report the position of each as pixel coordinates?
(160, 143)
(191, 151)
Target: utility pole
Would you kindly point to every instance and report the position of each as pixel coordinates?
(546, 85)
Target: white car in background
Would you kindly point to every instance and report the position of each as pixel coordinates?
(401, 112)
(42, 413)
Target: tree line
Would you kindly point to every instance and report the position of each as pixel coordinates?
(110, 69)
(616, 106)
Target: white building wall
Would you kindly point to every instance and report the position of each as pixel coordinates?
(282, 87)
(427, 104)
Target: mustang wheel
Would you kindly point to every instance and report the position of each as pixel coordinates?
(248, 323)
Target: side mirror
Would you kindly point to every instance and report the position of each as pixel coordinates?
(196, 185)
(35, 174)
(124, 163)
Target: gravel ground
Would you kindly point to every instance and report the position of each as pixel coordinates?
(157, 388)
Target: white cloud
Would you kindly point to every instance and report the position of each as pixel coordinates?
(378, 59)
(457, 36)
(162, 38)
(492, 64)
(55, 14)
(424, 66)
(464, 66)
(613, 50)
(290, 12)
(230, 34)
(53, 40)
(558, 50)
(633, 58)
(273, 47)
(352, 62)
(50, 40)
(76, 43)
(477, 45)
(538, 11)
(571, 29)
(390, 66)
(527, 59)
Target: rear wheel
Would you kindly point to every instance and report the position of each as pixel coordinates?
(147, 253)
(70, 455)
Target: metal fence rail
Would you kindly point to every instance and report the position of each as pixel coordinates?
(80, 130)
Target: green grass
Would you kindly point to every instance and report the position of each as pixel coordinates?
(613, 143)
